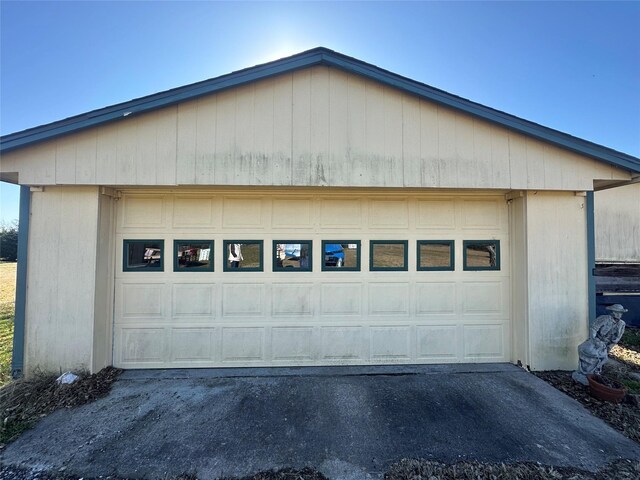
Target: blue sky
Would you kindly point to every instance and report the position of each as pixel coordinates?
(572, 66)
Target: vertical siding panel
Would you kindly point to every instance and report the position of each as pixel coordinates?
(107, 154)
(320, 126)
(263, 127)
(127, 151)
(206, 124)
(166, 146)
(244, 163)
(358, 157)
(186, 147)
(518, 161)
(147, 150)
(65, 161)
(393, 170)
(466, 169)
(282, 128)
(340, 149)
(535, 164)
(500, 156)
(301, 128)
(375, 120)
(483, 169)
(429, 145)
(225, 138)
(86, 157)
(411, 141)
(447, 145)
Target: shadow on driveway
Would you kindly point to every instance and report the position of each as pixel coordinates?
(347, 422)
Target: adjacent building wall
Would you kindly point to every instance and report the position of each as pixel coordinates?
(61, 278)
(557, 278)
(617, 215)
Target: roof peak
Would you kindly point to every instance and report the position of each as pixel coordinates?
(306, 59)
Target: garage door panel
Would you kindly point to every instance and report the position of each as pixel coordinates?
(245, 344)
(343, 299)
(292, 213)
(292, 299)
(293, 343)
(481, 215)
(437, 342)
(436, 215)
(243, 300)
(194, 300)
(192, 344)
(342, 343)
(142, 212)
(483, 298)
(436, 298)
(243, 213)
(389, 214)
(389, 298)
(143, 301)
(341, 213)
(142, 345)
(390, 343)
(195, 213)
(483, 342)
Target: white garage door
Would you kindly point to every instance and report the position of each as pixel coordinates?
(179, 302)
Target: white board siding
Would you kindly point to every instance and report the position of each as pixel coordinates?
(316, 318)
(617, 224)
(315, 127)
(61, 278)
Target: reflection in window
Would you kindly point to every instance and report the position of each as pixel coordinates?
(142, 255)
(242, 255)
(292, 255)
(193, 255)
(435, 255)
(481, 254)
(388, 255)
(343, 255)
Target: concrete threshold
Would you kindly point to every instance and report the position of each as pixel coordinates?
(317, 371)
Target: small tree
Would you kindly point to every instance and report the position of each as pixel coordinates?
(9, 241)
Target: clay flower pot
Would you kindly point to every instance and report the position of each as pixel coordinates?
(604, 392)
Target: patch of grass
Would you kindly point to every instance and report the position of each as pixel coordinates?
(7, 312)
(7, 290)
(631, 338)
(633, 386)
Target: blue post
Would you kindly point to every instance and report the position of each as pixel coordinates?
(17, 362)
(591, 256)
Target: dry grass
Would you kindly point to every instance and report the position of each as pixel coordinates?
(409, 469)
(7, 289)
(7, 312)
(388, 255)
(24, 402)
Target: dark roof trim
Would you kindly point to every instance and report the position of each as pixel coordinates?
(317, 56)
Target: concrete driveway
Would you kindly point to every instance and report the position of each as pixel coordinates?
(348, 422)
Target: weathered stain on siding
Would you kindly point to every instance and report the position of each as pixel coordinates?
(286, 130)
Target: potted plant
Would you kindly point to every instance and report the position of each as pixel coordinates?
(606, 389)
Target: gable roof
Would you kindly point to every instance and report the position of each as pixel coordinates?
(310, 58)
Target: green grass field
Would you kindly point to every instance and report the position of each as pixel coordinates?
(7, 299)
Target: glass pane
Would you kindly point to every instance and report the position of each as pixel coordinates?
(435, 255)
(388, 255)
(293, 255)
(481, 255)
(341, 255)
(244, 255)
(143, 254)
(193, 256)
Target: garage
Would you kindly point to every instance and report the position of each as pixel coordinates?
(314, 210)
(379, 305)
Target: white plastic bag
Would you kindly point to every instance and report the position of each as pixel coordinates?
(67, 378)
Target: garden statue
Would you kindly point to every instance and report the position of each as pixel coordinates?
(605, 332)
